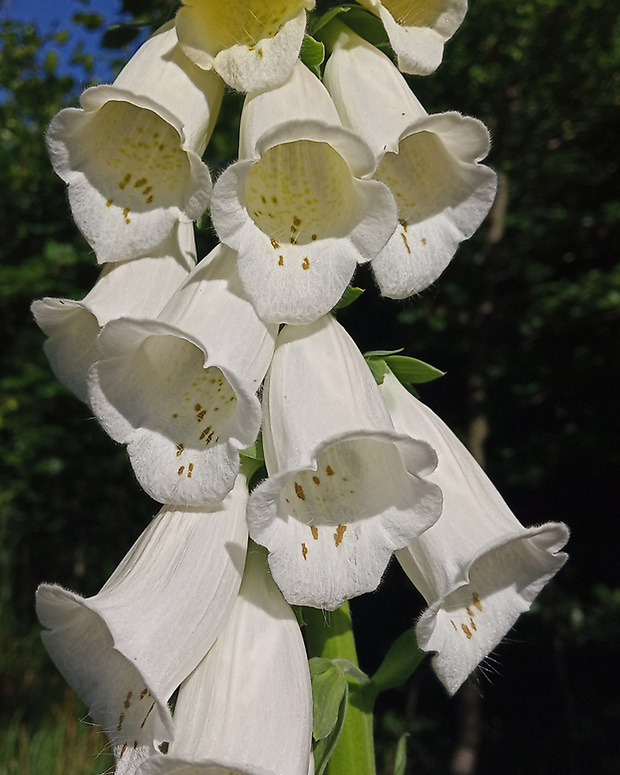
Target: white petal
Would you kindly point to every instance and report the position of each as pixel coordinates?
(247, 706)
(161, 71)
(130, 175)
(126, 649)
(302, 98)
(137, 287)
(477, 566)
(180, 391)
(429, 163)
(371, 96)
(343, 490)
(252, 45)
(418, 30)
(300, 219)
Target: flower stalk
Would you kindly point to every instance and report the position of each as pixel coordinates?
(330, 635)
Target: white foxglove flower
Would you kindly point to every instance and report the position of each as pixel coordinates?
(418, 29)
(141, 286)
(252, 44)
(344, 489)
(180, 389)
(131, 155)
(430, 163)
(247, 708)
(127, 649)
(477, 566)
(295, 207)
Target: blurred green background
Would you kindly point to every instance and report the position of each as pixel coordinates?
(525, 322)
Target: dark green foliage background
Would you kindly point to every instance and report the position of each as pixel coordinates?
(527, 328)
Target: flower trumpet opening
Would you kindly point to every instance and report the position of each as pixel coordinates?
(302, 191)
(183, 418)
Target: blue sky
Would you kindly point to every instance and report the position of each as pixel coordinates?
(54, 15)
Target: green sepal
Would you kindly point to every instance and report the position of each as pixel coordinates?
(329, 689)
(411, 370)
(252, 463)
(312, 54)
(378, 367)
(400, 662)
(348, 297)
(322, 750)
(400, 757)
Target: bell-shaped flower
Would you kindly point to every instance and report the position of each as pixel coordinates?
(418, 29)
(477, 567)
(131, 155)
(295, 206)
(252, 44)
(247, 707)
(344, 489)
(128, 648)
(140, 286)
(180, 389)
(430, 163)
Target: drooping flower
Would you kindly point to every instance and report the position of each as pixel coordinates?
(418, 29)
(138, 287)
(131, 155)
(430, 163)
(477, 567)
(180, 389)
(247, 707)
(128, 648)
(252, 44)
(344, 489)
(295, 206)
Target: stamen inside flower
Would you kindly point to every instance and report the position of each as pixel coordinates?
(192, 405)
(245, 22)
(301, 191)
(415, 13)
(133, 157)
(348, 485)
(422, 176)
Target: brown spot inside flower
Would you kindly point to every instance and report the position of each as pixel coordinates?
(299, 491)
(315, 532)
(467, 631)
(304, 550)
(329, 471)
(477, 602)
(339, 534)
(305, 264)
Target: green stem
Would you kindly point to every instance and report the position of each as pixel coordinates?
(330, 635)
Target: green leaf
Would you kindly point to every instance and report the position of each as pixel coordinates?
(411, 370)
(381, 353)
(312, 54)
(400, 662)
(400, 758)
(378, 367)
(328, 16)
(119, 35)
(348, 297)
(329, 689)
